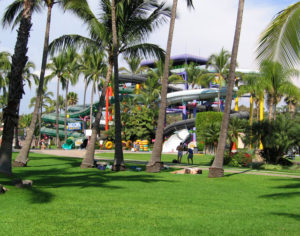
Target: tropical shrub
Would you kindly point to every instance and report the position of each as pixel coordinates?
(139, 124)
(277, 136)
(208, 128)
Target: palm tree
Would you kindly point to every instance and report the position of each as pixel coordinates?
(220, 63)
(72, 98)
(58, 68)
(197, 76)
(280, 40)
(134, 65)
(135, 21)
(15, 92)
(94, 70)
(277, 79)
(155, 165)
(83, 61)
(72, 72)
(22, 157)
(216, 170)
(118, 159)
(292, 99)
(253, 83)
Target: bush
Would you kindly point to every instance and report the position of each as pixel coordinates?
(239, 159)
(206, 122)
(277, 136)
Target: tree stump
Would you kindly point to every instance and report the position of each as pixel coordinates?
(215, 172)
(154, 168)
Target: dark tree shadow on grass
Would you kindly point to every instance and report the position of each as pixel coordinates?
(290, 215)
(281, 195)
(65, 172)
(238, 173)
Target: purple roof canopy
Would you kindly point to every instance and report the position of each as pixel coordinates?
(179, 60)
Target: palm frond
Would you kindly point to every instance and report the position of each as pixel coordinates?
(72, 40)
(281, 40)
(144, 50)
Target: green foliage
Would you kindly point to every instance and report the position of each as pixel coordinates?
(24, 120)
(139, 124)
(277, 136)
(243, 158)
(207, 124)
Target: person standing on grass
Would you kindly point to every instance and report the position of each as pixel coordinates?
(190, 156)
(180, 149)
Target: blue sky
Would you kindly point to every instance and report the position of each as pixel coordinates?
(201, 32)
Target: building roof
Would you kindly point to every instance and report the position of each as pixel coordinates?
(179, 60)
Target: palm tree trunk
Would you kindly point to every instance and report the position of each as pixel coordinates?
(66, 110)
(22, 158)
(251, 111)
(155, 164)
(92, 101)
(271, 104)
(216, 170)
(118, 159)
(40, 120)
(10, 115)
(17, 146)
(57, 114)
(88, 159)
(84, 96)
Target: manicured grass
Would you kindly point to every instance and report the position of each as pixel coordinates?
(67, 200)
(199, 159)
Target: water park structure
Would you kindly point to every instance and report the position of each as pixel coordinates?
(180, 99)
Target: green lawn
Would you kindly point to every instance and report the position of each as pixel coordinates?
(199, 159)
(67, 200)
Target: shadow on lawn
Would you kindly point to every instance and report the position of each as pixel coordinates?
(237, 173)
(67, 173)
(290, 215)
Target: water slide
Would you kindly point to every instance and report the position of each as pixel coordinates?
(172, 142)
(181, 128)
(195, 94)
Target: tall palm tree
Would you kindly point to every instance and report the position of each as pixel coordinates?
(216, 170)
(277, 79)
(280, 41)
(253, 83)
(84, 62)
(155, 165)
(94, 70)
(135, 21)
(16, 91)
(72, 73)
(220, 63)
(22, 157)
(58, 68)
(118, 158)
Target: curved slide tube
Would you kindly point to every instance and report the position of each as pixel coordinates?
(195, 94)
(52, 132)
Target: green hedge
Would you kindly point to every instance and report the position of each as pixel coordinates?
(203, 119)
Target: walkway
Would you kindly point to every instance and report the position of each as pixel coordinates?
(80, 153)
